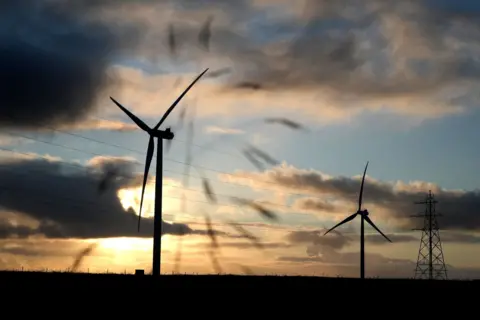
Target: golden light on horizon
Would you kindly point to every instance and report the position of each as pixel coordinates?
(125, 250)
(125, 244)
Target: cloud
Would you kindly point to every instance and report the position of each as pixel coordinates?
(456, 237)
(333, 59)
(248, 245)
(373, 50)
(396, 238)
(52, 77)
(10, 140)
(100, 124)
(324, 254)
(220, 130)
(390, 202)
(317, 242)
(56, 56)
(64, 202)
(376, 57)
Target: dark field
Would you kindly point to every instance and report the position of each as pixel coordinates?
(52, 280)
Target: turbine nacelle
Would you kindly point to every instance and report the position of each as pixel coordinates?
(363, 213)
(166, 134)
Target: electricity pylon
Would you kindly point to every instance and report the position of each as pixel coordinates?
(430, 261)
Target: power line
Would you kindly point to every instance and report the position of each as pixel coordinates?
(308, 192)
(30, 170)
(126, 148)
(179, 162)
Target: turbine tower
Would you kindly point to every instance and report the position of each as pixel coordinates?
(364, 217)
(160, 135)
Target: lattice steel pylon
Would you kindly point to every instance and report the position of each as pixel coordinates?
(430, 261)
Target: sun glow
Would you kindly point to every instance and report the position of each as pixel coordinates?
(126, 244)
(132, 246)
(130, 198)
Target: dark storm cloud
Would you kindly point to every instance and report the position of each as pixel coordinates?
(55, 55)
(66, 203)
(54, 60)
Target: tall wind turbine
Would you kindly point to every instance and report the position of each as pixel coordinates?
(160, 135)
(364, 217)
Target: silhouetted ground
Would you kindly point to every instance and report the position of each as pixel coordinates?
(54, 280)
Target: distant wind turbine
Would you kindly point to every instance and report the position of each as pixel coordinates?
(364, 217)
(160, 135)
(205, 34)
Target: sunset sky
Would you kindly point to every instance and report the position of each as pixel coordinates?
(392, 82)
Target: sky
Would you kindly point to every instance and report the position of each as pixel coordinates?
(392, 83)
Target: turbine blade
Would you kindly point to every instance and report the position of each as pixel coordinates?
(214, 245)
(176, 128)
(246, 270)
(171, 39)
(262, 154)
(188, 161)
(181, 119)
(361, 189)
(151, 148)
(246, 234)
(168, 145)
(178, 100)
(137, 121)
(350, 218)
(81, 256)
(207, 189)
(178, 256)
(218, 73)
(216, 265)
(286, 122)
(257, 207)
(177, 82)
(334, 231)
(108, 176)
(211, 233)
(374, 226)
(205, 34)
(247, 153)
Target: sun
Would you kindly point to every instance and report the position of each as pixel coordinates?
(132, 246)
(125, 244)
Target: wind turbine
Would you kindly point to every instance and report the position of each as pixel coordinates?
(160, 135)
(364, 217)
